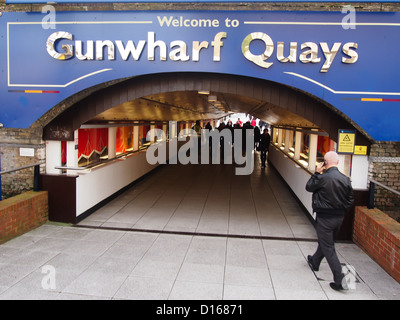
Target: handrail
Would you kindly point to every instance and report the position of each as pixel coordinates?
(21, 168)
(371, 193)
(36, 174)
(386, 187)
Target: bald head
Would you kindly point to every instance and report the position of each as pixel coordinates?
(332, 159)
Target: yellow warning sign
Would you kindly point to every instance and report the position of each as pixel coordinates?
(360, 150)
(346, 141)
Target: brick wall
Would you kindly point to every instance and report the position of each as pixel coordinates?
(379, 236)
(385, 168)
(11, 142)
(116, 6)
(22, 213)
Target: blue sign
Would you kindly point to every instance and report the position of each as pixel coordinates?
(348, 61)
(185, 1)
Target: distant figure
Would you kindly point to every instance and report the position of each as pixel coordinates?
(253, 122)
(264, 142)
(197, 128)
(257, 136)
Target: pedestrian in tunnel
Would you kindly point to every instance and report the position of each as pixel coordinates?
(257, 136)
(197, 128)
(263, 146)
(332, 197)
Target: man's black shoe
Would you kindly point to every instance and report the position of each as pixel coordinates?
(338, 287)
(313, 268)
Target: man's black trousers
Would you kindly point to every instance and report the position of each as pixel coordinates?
(327, 229)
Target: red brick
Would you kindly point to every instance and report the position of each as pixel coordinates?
(379, 236)
(22, 213)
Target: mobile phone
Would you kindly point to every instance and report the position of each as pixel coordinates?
(325, 163)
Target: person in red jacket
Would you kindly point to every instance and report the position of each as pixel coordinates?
(332, 197)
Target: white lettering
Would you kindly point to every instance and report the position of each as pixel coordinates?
(308, 55)
(179, 50)
(152, 44)
(180, 53)
(187, 23)
(329, 54)
(347, 50)
(292, 54)
(180, 311)
(110, 49)
(259, 60)
(89, 50)
(217, 44)
(130, 49)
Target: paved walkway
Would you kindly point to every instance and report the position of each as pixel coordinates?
(260, 252)
(208, 199)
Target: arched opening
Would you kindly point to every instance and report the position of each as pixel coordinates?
(154, 100)
(175, 97)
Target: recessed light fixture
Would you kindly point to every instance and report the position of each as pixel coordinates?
(203, 92)
(212, 98)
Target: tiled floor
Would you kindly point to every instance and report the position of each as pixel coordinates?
(112, 264)
(66, 262)
(208, 199)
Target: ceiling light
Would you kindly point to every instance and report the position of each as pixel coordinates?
(203, 92)
(212, 98)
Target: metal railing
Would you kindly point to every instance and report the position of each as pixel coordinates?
(371, 193)
(36, 175)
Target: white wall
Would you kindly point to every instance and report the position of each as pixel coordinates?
(104, 181)
(53, 156)
(294, 175)
(359, 172)
(297, 178)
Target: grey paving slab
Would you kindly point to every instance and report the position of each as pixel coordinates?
(141, 265)
(177, 255)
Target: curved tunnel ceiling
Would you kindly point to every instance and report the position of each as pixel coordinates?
(192, 105)
(176, 97)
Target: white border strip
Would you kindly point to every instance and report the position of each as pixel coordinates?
(342, 92)
(375, 24)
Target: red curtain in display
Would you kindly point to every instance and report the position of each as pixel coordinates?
(63, 153)
(325, 144)
(124, 139)
(92, 143)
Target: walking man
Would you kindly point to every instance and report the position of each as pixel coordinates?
(264, 141)
(332, 197)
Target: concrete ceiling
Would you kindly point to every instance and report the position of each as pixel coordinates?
(192, 105)
(177, 97)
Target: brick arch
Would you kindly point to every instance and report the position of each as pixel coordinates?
(273, 97)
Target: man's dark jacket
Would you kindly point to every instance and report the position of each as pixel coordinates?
(332, 192)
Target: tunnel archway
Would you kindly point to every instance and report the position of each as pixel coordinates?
(175, 97)
(159, 98)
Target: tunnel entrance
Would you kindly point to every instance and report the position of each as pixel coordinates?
(185, 97)
(96, 147)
